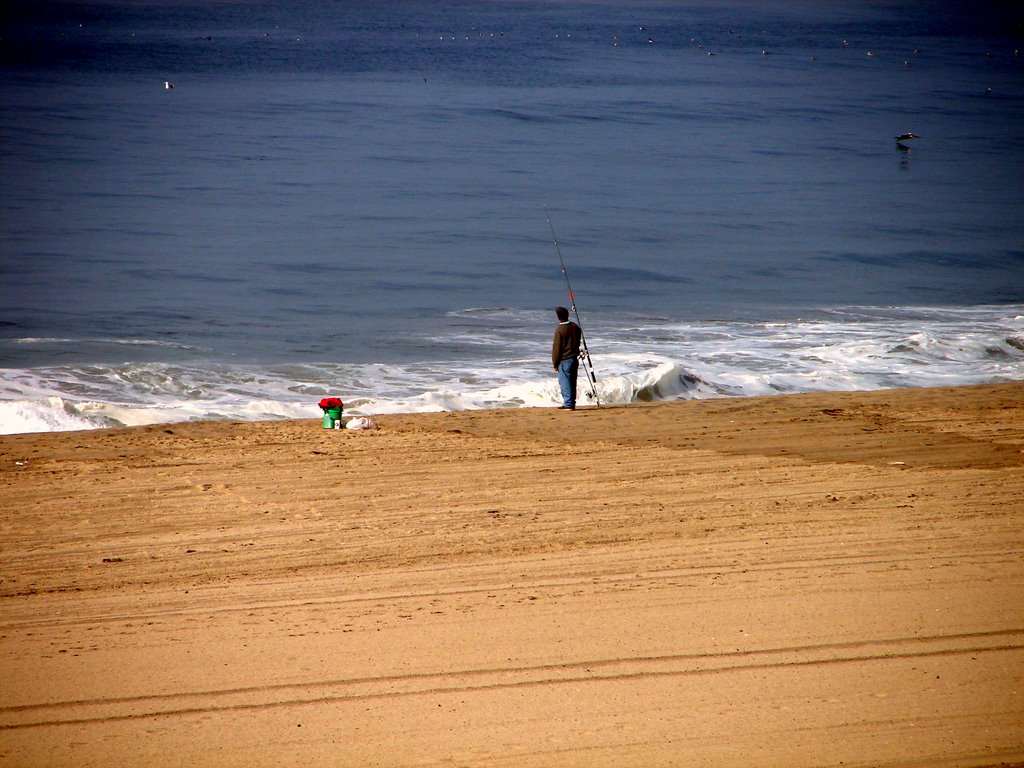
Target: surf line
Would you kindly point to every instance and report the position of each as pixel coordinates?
(588, 365)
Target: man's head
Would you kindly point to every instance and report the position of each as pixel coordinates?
(562, 314)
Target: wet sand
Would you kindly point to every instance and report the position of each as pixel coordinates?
(809, 580)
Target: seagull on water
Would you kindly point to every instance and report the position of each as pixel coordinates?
(168, 85)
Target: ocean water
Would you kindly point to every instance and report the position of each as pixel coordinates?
(350, 198)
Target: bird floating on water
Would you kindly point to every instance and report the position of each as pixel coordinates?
(168, 85)
(907, 137)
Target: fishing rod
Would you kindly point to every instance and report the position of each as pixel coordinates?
(588, 365)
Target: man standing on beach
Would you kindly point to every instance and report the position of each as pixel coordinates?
(565, 356)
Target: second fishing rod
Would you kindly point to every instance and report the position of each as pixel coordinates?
(588, 365)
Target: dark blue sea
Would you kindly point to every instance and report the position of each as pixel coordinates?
(352, 198)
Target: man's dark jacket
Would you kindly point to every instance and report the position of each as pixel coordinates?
(567, 343)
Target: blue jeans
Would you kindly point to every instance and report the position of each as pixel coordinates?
(567, 370)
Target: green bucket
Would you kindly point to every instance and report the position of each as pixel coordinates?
(332, 416)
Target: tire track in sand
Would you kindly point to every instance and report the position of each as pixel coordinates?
(306, 693)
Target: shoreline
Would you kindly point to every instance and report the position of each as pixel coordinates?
(529, 408)
(827, 577)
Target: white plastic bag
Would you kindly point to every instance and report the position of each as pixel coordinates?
(360, 422)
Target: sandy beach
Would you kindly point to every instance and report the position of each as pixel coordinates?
(807, 580)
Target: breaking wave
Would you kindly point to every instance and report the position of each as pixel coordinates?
(845, 349)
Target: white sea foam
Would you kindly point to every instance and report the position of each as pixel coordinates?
(113, 342)
(848, 350)
(50, 414)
